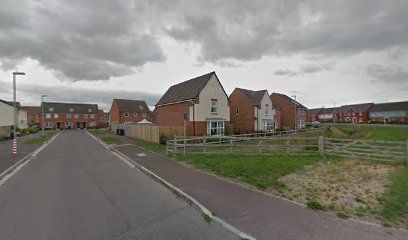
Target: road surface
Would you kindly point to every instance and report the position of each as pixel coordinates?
(77, 189)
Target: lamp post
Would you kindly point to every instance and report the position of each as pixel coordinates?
(42, 114)
(294, 103)
(15, 111)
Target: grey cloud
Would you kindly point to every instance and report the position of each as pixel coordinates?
(305, 69)
(245, 30)
(79, 40)
(388, 74)
(32, 93)
(286, 72)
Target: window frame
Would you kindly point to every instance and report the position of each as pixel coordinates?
(126, 114)
(214, 106)
(218, 129)
(237, 111)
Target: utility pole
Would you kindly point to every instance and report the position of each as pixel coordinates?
(42, 114)
(15, 111)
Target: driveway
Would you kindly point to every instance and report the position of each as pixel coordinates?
(77, 189)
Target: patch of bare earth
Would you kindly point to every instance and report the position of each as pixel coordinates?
(349, 188)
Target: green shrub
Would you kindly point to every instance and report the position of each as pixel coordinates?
(315, 205)
(163, 139)
(229, 130)
(33, 130)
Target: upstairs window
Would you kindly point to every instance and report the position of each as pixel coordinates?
(55, 115)
(143, 114)
(141, 107)
(237, 111)
(85, 116)
(69, 115)
(214, 105)
(92, 115)
(266, 109)
(71, 110)
(135, 114)
(76, 116)
(126, 114)
(51, 109)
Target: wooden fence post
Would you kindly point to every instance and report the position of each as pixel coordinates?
(321, 146)
(406, 151)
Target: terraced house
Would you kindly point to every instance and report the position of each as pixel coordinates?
(356, 113)
(202, 101)
(128, 111)
(251, 111)
(69, 115)
(394, 112)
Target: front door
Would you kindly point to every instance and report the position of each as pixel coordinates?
(78, 125)
(59, 125)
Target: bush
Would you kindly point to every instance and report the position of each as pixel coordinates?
(33, 130)
(163, 139)
(315, 205)
(229, 130)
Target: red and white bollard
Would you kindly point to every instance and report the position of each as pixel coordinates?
(14, 146)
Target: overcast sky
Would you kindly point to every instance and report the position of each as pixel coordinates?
(324, 52)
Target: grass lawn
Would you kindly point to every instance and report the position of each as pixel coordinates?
(259, 171)
(97, 132)
(36, 140)
(155, 147)
(110, 139)
(396, 200)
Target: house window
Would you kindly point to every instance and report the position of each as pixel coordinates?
(266, 109)
(76, 116)
(301, 124)
(214, 105)
(55, 115)
(141, 107)
(215, 128)
(69, 115)
(92, 124)
(51, 109)
(144, 114)
(135, 114)
(269, 126)
(49, 125)
(92, 115)
(126, 114)
(71, 110)
(86, 116)
(48, 115)
(237, 111)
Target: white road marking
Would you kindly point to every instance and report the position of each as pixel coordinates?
(141, 155)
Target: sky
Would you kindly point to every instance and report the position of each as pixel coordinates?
(325, 53)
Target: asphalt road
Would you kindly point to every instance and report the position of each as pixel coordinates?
(77, 189)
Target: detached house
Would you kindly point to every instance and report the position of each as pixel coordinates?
(356, 113)
(251, 111)
(7, 117)
(395, 112)
(69, 115)
(290, 110)
(202, 101)
(128, 111)
(33, 115)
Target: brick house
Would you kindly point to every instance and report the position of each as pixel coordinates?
(394, 112)
(329, 114)
(69, 115)
(313, 114)
(356, 113)
(288, 113)
(33, 115)
(201, 100)
(103, 119)
(128, 111)
(251, 111)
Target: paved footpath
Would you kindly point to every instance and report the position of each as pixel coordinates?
(255, 213)
(77, 189)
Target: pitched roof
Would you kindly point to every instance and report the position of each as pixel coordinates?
(128, 105)
(187, 90)
(254, 96)
(78, 108)
(329, 110)
(32, 109)
(392, 106)
(358, 107)
(11, 103)
(314, 111)
(291, 100)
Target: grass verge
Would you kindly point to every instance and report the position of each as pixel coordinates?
(395, 202)
(110, 139)
(36, 140)
(259, 171)
(155, 147)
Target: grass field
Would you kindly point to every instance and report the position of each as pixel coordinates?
(259, 171)
(36, 140)
(368, 132)
(396, 199)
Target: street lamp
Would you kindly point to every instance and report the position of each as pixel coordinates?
(294, 96)
(42, 114)
(15, 111)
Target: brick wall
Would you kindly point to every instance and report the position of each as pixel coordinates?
(171, 115)
(62, 117)
(287, 110)
(245, 121)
